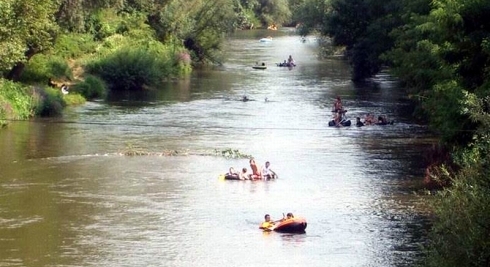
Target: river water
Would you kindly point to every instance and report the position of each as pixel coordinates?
(71, 195)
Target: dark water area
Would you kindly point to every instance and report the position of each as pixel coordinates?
(71, 197)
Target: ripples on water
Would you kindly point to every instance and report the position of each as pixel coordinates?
(71, 198)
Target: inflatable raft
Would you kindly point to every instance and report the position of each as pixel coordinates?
(343, 123)
(293, 225)
(286, 65)
(237, 178)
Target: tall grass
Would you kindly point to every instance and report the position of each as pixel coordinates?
(21, 102)
(16, 101)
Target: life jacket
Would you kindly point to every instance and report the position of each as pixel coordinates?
(266, 225)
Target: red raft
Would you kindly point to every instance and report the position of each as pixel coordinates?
(292, 225)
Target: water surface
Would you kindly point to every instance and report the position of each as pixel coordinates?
(70, 197)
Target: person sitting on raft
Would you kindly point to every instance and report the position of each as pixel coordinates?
(337, 105)
(382, 120)
(359, 122)
(256, 174)
(268, 223)
(369, 119)
(337, 119)
(243, 175)
(288, 216)
(291, 61)
(267, 173)
(232, 172)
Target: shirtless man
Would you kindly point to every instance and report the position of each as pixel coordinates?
(256, 173)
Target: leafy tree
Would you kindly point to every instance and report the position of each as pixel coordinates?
(442, 54)
(363, 27)
(12, 46)
(201, 24)
(311, 15)
(459, 237)
(30, 27)
(71, 16)
(273, 11)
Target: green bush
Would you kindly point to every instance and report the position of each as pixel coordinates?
(16, 101)
(461, 231)
(42, 67)
(92, 87)
(51, 102)
(133, 69)
(103, 23)
(460, 235)
(74, 45)
(73, 99)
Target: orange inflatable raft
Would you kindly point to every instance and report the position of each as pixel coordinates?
(292, 225)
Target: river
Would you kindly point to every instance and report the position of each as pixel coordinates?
(71, 195)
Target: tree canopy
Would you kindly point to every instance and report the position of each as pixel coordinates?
(28, 27)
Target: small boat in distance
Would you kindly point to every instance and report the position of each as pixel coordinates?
(260, 66)
(285, 64)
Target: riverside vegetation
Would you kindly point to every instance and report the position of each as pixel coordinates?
(438, 49)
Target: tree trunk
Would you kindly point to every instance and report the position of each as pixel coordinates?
(16, 71)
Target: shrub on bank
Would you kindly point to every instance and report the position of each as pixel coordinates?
(91, 88)
(74, 45)
(50, 102)
(43, 67)
(16, 101)
(134, 69)
(74, 99)
(460, 235)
